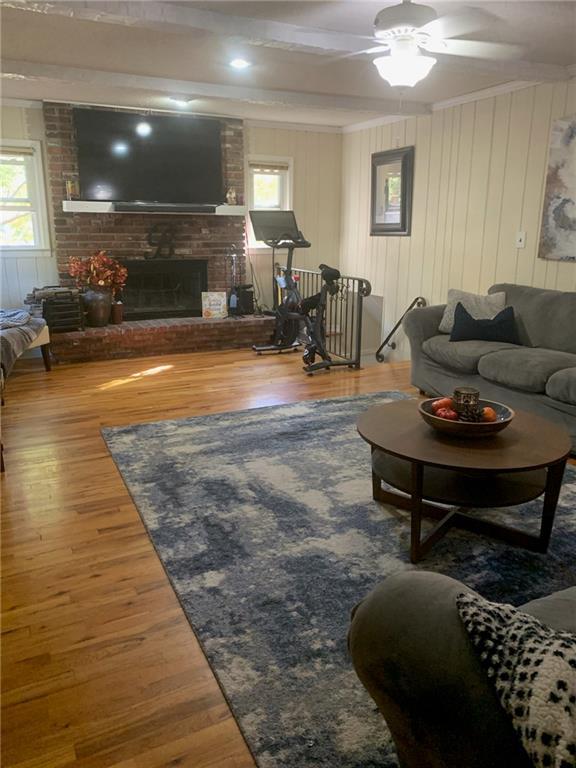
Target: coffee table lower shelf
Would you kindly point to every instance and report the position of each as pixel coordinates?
(425, 484)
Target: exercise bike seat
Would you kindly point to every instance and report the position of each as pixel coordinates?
(329, 274)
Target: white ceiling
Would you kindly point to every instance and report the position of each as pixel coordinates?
(140, 53)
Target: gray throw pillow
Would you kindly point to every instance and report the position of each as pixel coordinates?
(480, 307)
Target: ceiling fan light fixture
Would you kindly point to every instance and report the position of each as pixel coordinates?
(401, 69)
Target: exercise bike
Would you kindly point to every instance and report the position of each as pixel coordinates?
(278, 229)
(295, 325)
(315, 327)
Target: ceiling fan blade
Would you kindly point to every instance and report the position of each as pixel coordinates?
(457, 24)
(473, 49)
(376, 49)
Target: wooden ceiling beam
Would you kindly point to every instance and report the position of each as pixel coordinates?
(176, 88)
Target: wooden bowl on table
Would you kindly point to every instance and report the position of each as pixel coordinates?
(467, 429)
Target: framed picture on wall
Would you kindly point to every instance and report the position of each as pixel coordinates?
(391, 198)
(558, 232)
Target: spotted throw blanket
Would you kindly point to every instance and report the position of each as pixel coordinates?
(533, 669)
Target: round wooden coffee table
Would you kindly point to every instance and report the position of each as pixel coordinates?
(522, 462)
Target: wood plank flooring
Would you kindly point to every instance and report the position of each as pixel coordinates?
(99, 664)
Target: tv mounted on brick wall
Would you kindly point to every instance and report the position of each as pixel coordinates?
(127, 157)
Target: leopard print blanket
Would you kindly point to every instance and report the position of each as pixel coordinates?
(533, 669)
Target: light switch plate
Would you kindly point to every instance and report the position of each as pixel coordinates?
(520, 239)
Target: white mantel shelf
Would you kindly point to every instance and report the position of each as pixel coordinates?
(105, 206)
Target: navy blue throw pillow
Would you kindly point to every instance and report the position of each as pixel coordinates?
(499, 328)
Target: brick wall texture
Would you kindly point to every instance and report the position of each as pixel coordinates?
(124, 235)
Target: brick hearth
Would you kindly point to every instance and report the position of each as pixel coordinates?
(142, 338)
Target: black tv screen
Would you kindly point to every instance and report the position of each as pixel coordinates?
(126, 157)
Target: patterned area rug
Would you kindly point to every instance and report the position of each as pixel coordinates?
(265, 524)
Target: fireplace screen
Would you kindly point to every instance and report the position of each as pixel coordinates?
(159, 288)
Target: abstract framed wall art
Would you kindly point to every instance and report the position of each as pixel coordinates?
(558, 232)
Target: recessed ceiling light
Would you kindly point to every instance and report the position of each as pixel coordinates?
(143, 129)
(181, 101)
(120, 148)
(240, 64)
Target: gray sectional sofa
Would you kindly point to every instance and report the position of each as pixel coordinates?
(538, 376)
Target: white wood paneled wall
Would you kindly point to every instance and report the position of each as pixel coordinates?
(316, 190)
(22, 271)
(479, 178)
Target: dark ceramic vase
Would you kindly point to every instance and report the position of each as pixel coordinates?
(98, 303)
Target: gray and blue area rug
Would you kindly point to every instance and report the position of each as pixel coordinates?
(265, 524)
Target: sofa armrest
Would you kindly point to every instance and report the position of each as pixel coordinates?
(413, 655)
(422, 323)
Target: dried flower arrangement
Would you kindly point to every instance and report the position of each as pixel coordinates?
(98, 271)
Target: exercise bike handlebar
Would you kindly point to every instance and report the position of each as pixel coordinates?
(288, 241)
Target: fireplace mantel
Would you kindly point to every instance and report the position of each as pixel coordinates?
(105, 206)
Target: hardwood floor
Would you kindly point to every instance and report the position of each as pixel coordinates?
(99, 665)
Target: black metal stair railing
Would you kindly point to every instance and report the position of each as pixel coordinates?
(343, 320)
(419, 301)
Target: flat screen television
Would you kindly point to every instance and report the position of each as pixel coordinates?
(125, 157)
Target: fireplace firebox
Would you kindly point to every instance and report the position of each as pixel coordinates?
(161, 288)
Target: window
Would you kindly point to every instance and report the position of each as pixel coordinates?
(268, 188)
(22, 202)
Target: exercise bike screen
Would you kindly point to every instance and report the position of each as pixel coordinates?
(275, 225)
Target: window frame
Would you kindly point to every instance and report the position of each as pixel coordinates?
(252, 160)
(37, 196)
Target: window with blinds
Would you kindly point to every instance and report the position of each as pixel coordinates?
(22, 214)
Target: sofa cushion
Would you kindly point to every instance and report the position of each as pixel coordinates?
(524, 368)
(562, 386)
(544, 318)
(461, 355)
(480, 307)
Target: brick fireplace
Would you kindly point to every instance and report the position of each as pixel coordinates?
(130, 237)
(126, 236)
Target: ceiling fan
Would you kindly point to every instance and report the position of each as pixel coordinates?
(403, 31)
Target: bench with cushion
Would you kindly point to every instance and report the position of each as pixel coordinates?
(18, 333)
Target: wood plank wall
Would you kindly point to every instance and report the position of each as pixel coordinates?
(479, 178)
